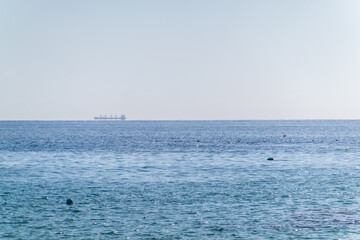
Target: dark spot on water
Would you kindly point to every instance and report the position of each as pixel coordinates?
(217, 228)
(110, 233)
(69, 202)
(270, 159)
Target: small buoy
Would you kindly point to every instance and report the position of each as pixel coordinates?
(270, 159)
(69, 201)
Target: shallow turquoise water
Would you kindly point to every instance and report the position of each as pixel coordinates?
(180, 180)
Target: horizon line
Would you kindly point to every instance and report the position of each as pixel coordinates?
(128, 120)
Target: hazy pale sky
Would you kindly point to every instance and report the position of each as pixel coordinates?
(180, 60)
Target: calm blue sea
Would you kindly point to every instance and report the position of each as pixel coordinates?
(180, 179)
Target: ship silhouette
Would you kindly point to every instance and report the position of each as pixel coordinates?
(111, 117)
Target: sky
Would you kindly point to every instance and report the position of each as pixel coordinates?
(180, 59)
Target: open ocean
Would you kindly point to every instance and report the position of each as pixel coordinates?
(180, 179)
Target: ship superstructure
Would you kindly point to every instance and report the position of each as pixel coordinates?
(111, 117)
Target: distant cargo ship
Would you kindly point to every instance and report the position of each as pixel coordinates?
(112, 117)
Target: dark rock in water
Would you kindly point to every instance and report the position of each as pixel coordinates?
(270, 159)
(69, 201)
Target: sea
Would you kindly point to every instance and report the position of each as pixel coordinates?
(180, 179)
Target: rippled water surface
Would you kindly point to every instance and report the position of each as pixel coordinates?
(180, 180)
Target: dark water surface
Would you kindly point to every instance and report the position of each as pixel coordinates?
(180, 180)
